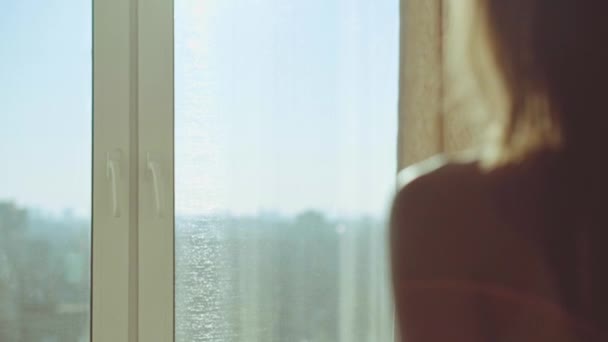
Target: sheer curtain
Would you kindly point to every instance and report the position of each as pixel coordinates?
(285, 145)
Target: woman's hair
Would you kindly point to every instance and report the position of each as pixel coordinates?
(537, 66)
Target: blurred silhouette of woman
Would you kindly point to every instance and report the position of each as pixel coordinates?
(513, 246)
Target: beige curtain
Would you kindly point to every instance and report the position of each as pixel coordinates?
(428, 125)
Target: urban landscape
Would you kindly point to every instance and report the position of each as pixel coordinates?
(263, 278)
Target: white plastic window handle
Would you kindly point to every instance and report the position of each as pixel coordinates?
(113, 175)
(155, 170)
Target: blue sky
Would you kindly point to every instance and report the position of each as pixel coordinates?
(280, 105)
(45, 104)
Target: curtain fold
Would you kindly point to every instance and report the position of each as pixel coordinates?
(421, 81)
(429, 123)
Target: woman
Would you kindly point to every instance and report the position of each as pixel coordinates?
(514, 246)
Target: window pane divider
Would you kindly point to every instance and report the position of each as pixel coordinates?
(156, 171)
(114, 232)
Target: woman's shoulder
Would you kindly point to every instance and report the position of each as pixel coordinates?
(438, 180)
(436, 167)
(437, 212)
(448, 220)
(455, 225)
(452, 253)
(463, 182)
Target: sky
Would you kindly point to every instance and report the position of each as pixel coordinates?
(45, 104)
(280, 106)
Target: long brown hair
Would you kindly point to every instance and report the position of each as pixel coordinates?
(538, 66)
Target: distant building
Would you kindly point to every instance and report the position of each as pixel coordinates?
(12, 229)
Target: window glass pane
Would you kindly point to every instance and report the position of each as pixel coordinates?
(45, 174)
(285, 159)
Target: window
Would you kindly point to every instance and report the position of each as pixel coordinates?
(196, 170)
(285, 137)
(45, 180)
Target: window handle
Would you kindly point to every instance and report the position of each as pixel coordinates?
(113, 175)
(155, 170)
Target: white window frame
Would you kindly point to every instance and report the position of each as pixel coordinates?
(156, 150)
(114, 275)
(133, 215)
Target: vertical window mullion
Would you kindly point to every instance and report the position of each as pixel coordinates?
(156, 169)
(114, 272)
